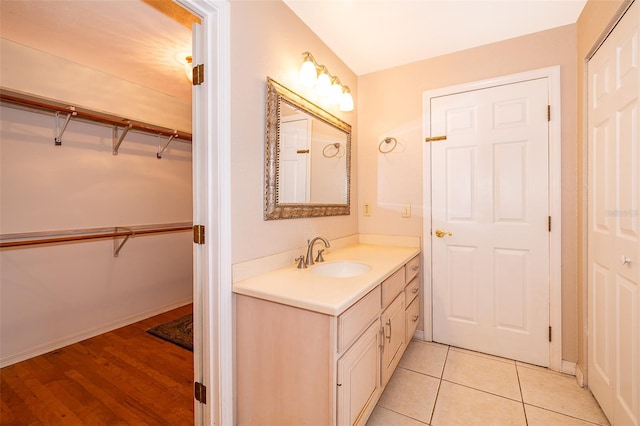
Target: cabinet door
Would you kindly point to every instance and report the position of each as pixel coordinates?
(393, 326)
(359, 378)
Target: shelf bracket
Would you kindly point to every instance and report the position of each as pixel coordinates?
(162, 148)
(117, 141)
(117, 245)
(59, 131)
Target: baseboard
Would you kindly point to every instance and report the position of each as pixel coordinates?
(568, 367)
(69, 340)
(580, 376)
(419, 335)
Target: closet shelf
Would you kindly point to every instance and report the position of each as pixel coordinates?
(69, 112)
(117, 232)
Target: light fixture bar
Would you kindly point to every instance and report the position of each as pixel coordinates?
(314, 74)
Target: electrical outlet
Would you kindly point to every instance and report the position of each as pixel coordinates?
(366, 210)
(406, 210)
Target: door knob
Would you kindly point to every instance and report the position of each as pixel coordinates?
(625, 260)
(440, 233)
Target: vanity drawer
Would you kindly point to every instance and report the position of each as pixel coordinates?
(411, 291)
(392, 286)
(356, 319)
(413, 267)
(413, 318)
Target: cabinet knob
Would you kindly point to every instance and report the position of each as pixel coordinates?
(415, 290)
(625, 260)
(415, 318)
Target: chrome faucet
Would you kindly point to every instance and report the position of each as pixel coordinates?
(309, 258)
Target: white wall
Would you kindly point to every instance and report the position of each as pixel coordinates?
(57, 294)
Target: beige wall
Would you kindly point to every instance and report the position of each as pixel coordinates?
(593, 21)
(267, 39)
(31, 71)
(390, 104)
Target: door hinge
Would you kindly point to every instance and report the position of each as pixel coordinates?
(198, 234)
(549, 333)
(200, 392)
(548, 112)
(549, 223)
(198, 74)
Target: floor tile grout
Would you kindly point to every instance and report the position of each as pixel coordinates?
(440, 378)
(481, 390)
(524, 409)
(435, 401)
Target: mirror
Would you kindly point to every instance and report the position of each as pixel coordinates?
(307, 158)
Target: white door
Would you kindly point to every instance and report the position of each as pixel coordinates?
(489, 189)
(614, 223)
(293, 173)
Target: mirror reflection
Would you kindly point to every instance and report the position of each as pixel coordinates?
(307, 158)
(312, 161)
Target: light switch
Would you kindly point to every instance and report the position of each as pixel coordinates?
(406, 210)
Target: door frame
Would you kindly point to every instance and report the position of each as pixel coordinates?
(555, 199)
(213, 354)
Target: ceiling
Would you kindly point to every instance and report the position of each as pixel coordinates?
(372, 35)
(152, 37)
(141, 41)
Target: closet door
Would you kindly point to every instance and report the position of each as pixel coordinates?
(614, 223)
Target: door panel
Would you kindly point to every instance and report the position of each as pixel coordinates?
(511, 292)
(293, 173)
(489, 185)
(613, 243)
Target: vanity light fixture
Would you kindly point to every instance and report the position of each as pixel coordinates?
(327, 86)
(188, 67)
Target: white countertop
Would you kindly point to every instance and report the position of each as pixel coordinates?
(328, 295)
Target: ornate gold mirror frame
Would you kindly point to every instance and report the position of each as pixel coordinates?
(277, 95)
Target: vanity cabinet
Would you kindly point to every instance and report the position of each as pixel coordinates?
(300, 367)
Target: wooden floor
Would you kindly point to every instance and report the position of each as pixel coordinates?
(124, 377)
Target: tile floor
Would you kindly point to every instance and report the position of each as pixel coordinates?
(440, 385)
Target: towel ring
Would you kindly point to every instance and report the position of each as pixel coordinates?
(388, 141)
(334, 145)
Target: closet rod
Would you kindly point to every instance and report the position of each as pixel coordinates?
(34, 238)
(90, 115)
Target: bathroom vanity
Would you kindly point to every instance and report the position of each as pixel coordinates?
(317, 346)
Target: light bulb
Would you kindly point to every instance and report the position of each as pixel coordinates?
(323, 84)
(335, 93)
(346, 101)
(308, 73)
(188, 68)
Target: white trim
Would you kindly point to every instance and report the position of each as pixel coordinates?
(580, 378)
(419, 335)
(212, 209)
(555, 197)
(568, 367)
(87, 334)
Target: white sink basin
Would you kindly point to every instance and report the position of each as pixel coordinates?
(341, 269)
